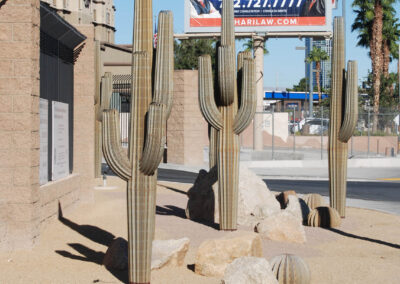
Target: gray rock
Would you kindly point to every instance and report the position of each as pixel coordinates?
(117, 255)
(201, 203)
(249, 270)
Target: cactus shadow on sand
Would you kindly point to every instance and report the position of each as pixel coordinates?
(396, 246)
(201, 200)
(87, 254)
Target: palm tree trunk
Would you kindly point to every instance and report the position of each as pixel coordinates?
(377, 64)
(386, 59)
(318, 67)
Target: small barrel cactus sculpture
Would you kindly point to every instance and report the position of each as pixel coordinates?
(290, 269)
(343, 118)
(226, 115)
(314, 200)
(324, 217)
(150, 108)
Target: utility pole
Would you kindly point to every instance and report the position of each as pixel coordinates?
(311, 100)
(258, 47)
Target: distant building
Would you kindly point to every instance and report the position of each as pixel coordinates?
(326, 66)
(86, 12)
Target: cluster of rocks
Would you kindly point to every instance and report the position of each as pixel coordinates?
(237, 258)
(276, 217)
(258, 207)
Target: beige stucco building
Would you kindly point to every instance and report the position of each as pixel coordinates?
(31, 50)
(53, 54)
(100, 13)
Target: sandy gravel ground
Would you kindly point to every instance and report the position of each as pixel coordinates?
(365, 249)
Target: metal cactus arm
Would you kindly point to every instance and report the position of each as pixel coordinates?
(208, 106)
(164, 74)
(155, 139)
(114, 154)
(248, 104)
(102, 102)
(351, 103)
(150, 107)
(106, 93)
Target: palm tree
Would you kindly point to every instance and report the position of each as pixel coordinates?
(391, 34)
(375, 22)
(317, 55)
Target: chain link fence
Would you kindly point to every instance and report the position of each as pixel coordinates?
(291, 134)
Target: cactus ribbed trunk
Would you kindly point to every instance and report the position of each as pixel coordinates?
(224, 116)
(343, 118)
(228, 170)
(141, 188)
(150, 108)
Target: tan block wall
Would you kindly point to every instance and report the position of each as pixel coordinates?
(19, 124)
(187, 133)
(63, 192)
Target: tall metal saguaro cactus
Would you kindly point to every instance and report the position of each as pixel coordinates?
(343, 118)
(226, 115)
(150, 108)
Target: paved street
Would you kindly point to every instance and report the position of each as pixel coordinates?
(365, 188)
(374, 191)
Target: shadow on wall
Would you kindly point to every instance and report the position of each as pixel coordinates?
(94, 234)
(364, 238)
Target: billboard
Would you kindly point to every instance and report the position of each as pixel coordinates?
(261, 15)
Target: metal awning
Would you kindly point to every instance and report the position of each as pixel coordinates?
(56, 27)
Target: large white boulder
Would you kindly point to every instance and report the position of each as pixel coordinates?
(169, 253)
(165, 253)
(298, 208)
(255, 199)
(213, 256)
(283, 227)
(249, 270)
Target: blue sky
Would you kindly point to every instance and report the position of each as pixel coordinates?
(284, 66)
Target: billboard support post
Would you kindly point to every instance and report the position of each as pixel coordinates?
(311, 97)
(258, 46)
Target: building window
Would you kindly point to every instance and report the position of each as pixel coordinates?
(95, 15)
(108, 18)
(56, 95)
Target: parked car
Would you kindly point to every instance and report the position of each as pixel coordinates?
(317, 126)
